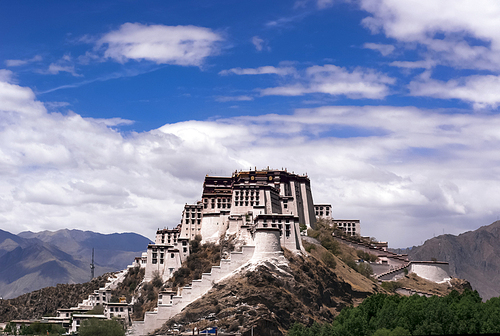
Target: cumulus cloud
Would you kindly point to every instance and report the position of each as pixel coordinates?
(384, 49)
(180, 45)
(458, 33)
(333, 80)
(403, 171)
(479, 90)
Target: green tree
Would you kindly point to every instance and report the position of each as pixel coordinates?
(382, 332)
(400, 331)
(96, 327)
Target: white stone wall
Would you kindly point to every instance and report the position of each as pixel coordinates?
(213, 225)
(267, 243)
(436, 272)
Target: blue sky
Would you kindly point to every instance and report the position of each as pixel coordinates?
(112, 112)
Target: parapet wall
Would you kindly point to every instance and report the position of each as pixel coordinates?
(435, 271)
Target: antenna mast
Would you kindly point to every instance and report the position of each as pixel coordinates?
(92, 266)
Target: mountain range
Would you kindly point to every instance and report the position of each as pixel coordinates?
(473, 255)
(33, 260)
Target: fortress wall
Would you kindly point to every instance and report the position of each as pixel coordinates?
(432, 271)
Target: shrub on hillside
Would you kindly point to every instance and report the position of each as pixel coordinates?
(95, 327)
(391, 286)
(328, 259)
(200, 260)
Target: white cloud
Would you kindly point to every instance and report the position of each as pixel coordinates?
(65, 64)
(405, 172)
(384, 49)
(265, 70)
(446, 28)
(5, 75)
(55, 69)
(180, 45)
(481, 91)
(223, 99)
(334, 80)
(257, 42)
(15, 63)
(322, 4)
(426, 64)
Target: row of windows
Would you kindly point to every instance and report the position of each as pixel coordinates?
(287, 228)
(273, 220)
(193, 209)
(320, 213)
(219, 200)
(346, 224)
(321, 208)
(219, 205)
(193, 221)
(246, 192)
(116, 309)
(194, 215)
(172, 255)
(247, 197)
(246, 203)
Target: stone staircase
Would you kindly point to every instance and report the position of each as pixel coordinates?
(390, 275)
(155, 319)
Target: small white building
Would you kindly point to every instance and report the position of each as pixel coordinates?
(351, 227)
(120, 310)
(166, 255)
(323, 211)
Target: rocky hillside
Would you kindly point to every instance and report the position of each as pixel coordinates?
(473, 255)
(46, 301)
(30, 261)
(271, 296)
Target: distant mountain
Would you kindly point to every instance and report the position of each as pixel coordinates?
(9, 242)
(473, 255)
(30, 261)
(112, 251)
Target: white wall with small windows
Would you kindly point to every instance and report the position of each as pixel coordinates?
(288, 225)
(323, 211)
(351, 227)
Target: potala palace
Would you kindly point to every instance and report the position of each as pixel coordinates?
(263, 211)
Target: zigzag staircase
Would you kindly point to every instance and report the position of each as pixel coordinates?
(166, 310)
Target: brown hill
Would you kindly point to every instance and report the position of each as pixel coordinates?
(272, 297)
(46, 301)
(473, 255)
